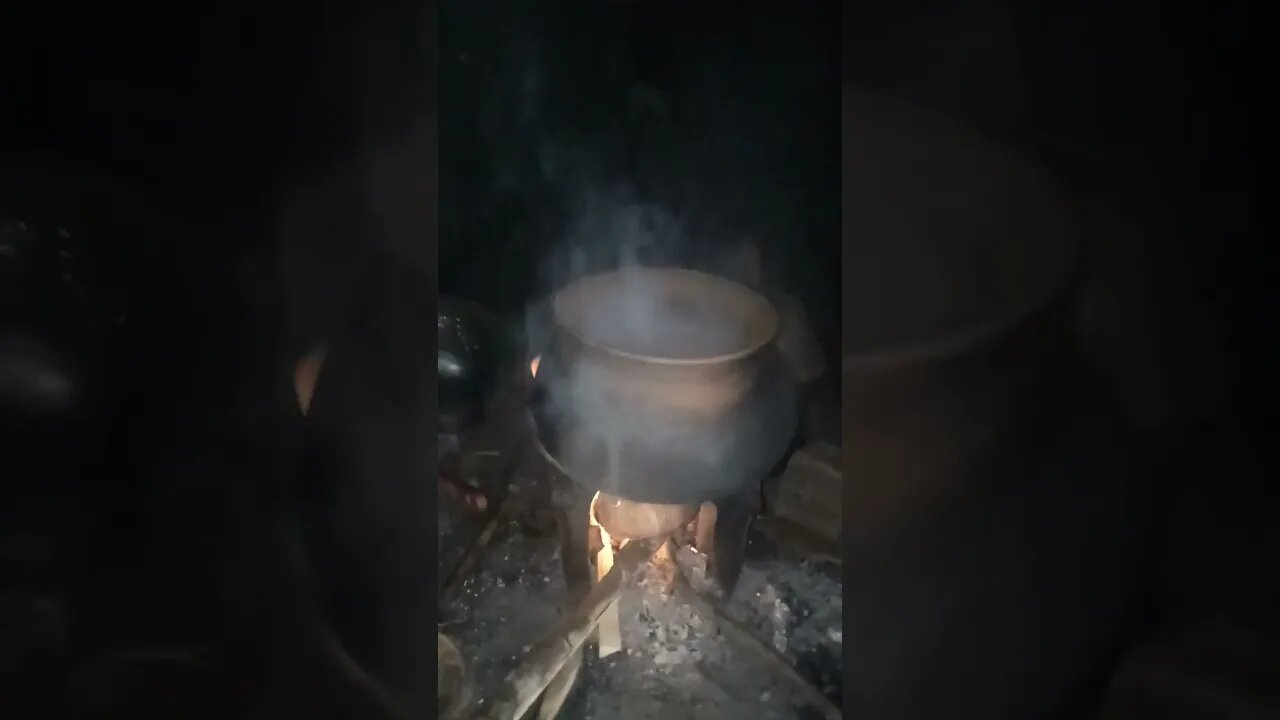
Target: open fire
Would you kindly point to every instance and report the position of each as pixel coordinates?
(654, 448)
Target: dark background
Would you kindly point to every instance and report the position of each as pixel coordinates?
(723, 113)
(1150, 111)
(723, 118)
(246, 130)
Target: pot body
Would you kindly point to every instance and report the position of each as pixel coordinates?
(916, 435)
(630, 520)
(1043, 566)
(992, 504)
(75, 305)
(960, 258)
(471, 353)
(677, 428)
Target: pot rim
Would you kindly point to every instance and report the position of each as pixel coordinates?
(766, 332)
(949, 345)
(1059, 233)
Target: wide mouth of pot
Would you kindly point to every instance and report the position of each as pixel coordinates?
(666, 315)
(952, 236)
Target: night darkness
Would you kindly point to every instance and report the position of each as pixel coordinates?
(194, 198)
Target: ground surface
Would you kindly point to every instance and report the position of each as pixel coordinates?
(676, 664)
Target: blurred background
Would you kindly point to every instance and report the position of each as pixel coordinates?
(714, 128)
(233, 180)
(187, 192)
(1147, 116)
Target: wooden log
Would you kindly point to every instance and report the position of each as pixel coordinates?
(546, 659)
(609, 631)
(558, 691)
(811, 492)
(705, 533)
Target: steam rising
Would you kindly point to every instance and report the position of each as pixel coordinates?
(612, 217)
(640, 317)
(612, 231)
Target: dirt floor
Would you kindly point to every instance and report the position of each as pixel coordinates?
(676, 662)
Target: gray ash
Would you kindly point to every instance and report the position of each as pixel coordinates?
(676, 663)
(799, 609)
(507, 605)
